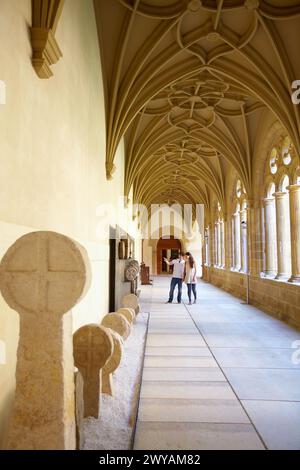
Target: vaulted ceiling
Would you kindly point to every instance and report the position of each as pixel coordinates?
(187, 83)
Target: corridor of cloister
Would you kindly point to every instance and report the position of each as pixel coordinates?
(143, 144)
(217, 375)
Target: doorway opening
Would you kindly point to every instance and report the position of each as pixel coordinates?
(167, 248)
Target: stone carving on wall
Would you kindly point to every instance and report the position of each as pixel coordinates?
(132, 270)
(42, 276)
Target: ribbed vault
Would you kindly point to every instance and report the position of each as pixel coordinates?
(188, 83)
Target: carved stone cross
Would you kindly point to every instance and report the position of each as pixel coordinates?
(42, 276)
(93, 347)
(113, 363)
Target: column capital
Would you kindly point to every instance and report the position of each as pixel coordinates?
(294, 188)
(280, 195)
(268, 201)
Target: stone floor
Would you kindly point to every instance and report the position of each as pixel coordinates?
(217, 375)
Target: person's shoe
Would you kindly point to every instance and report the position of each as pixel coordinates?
(179, 302)
(168, 302)
(190, 303)
(195, 301)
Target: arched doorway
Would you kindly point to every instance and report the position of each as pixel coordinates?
(166, 248)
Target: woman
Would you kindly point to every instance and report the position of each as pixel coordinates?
(190, 278)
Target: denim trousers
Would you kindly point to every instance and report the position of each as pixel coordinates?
(192, 287)
(175, 281)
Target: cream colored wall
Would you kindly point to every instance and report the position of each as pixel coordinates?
(52, 154)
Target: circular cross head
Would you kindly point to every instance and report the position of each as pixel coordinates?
(130, 300)
(93, 347)
(128, 313)
(118, 323)
(44, 272)
(131, 273)
(115, 359)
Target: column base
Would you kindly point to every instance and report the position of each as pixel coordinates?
(294, 279)
(269, 274)
(282, 277)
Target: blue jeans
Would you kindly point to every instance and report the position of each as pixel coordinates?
(192, 287)
(174, 282)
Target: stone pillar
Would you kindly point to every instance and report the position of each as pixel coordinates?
(237, 242)
(294, 192)
(227, 243)
(253, 235)
(219, 261)
(232, 244)
(223, 257)
(243, 237)
(211, 245)
(270, 237)
(283, 235)
(42, 276)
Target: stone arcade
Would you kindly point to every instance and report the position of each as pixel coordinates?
(132, 131)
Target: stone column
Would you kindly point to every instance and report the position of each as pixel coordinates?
(283, 235)
(237, 242)
(219, 260)
(222, 243)
(253, 238)
(42, 276)
(270, 237)
(243, 233)
(294, 192)
(215, 263)
(227, 243)
(232, 243)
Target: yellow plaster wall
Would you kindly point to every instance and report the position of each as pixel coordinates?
(52, 154)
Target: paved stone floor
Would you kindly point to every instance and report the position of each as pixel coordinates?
(217, 375)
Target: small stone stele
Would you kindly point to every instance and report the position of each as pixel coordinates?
(131, 301)
(42, 276)
(93, 347)
(118, 323)
(128, 313)
(113, 363)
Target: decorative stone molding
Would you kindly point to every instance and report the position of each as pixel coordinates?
(45, 50)
(110, 169)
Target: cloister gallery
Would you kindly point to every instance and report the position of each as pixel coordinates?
(131, 132)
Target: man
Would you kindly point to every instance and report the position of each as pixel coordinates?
(178, 272)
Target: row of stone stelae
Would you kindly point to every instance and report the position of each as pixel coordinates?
(98, 351)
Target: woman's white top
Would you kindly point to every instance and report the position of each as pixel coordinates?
(190, 274)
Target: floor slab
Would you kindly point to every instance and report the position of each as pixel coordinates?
(265, 384)
(178, 374)
(196, 436)
(192, 411)
(177, 351)
(175, 340)
(255, 358)
(179, 361)
(278, 422)
(193, 390)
